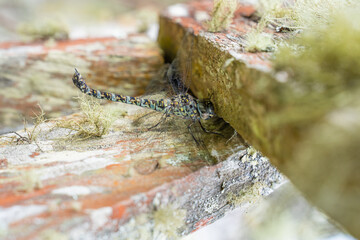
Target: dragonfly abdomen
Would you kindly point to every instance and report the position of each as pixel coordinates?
(182, 105)
(80, 83)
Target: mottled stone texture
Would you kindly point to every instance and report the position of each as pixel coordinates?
(131, 183)
(316, 147)
(40, 73)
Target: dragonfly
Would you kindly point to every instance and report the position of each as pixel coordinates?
(181, 104)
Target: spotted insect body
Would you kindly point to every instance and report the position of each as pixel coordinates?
(182, 105)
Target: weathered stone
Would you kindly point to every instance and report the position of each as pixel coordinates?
(308, 142)
(133, 182)
(284, 214)
(130, 182)
(32, 74)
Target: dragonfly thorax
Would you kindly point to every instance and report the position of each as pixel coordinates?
(186, 106)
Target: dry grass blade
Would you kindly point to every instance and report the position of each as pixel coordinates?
(222, 15)
(31, 134)
(95, 120)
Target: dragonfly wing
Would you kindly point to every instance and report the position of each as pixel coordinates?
(167, 82)
(175, 78)
(158, 87)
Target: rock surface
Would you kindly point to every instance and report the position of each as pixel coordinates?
(130, 183)
(315, 146)
(40, 73)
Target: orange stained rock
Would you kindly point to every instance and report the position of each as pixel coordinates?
(35, 154)
(245, 10)
(202, 223)
(3, 163)
(13, 196)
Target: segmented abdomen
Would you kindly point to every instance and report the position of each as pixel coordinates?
(181, 105)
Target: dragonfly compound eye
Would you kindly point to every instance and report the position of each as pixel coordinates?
(206, 110)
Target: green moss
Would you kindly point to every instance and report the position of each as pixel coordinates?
(302, 14)
(250, 194)
(257, 41)
(168, 220)
(251, 153)
(319, 76)
(305, 15)
(222, 15)
(278, 110)
(326, 68)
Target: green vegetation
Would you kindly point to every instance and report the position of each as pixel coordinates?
(301, 14)
(30, 135)
(249, 194)
(299, 17)
(258, 41)
(168, 220)
(314, 112)
(328, 65)
(222, 15)
(316, 72)
(95, 120)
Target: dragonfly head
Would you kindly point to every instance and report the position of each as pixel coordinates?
(206, 110)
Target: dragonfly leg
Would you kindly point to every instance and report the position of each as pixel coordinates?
(146, 115)
(207, 131)
(162, 119)
(189, 128)
(21, 138)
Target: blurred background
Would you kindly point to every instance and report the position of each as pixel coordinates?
(28, 29)
(284, 215)
(27, 20)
